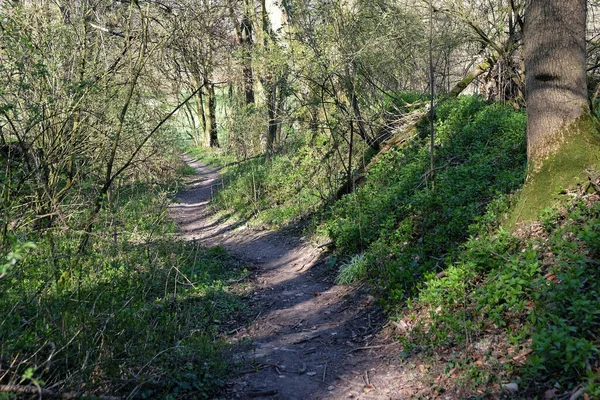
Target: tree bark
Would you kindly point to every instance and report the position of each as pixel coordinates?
(555, 82)
(201, 114)
(272, 110)
(270, 83)
(195, 136)
(562, 134)
(246, 40)
(211, 118)
(479, 70)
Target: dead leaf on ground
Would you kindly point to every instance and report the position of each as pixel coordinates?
(368, 388)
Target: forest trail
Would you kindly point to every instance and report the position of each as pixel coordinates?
(307, 338)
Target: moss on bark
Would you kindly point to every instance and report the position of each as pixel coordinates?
(560, 172)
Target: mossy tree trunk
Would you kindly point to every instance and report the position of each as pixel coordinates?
(562, 134)
(210, 113)
(555, 66)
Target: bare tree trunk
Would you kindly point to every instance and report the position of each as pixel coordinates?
(349, 86)
(189, 115)
(246, 41)
(281, 107)
(210, 131)
(272, 110)
(555, 83)
(271, 82)
(201, 114)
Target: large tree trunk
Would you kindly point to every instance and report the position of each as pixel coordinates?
(562, 135)
(555, 82)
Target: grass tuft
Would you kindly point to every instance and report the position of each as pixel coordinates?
(353, 271)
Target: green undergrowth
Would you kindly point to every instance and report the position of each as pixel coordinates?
(353, 271)
(537, 290)
(212, 157)
(138, 315)
(504, 307)
(300, 180)
(407, 228)
(280, 191)
(512, 309)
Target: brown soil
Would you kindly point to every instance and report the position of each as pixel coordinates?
(307, 338)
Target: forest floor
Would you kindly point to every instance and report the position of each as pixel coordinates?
(302, 337)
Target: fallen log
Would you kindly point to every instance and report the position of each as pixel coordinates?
(401, 130)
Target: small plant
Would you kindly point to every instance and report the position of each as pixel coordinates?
(187, 170)
(18, 250)
(353, 271)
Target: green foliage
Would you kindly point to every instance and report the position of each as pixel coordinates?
(540, 291)
(567, 298)
(410, 228)
(16, 253)
(139, 315)
(212, 157)
(280, 190)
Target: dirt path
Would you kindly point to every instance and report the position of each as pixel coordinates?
(309, 339)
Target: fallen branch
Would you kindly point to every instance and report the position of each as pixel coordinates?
(479, 70)
(450, 162)
(262, 393)
(325, 244)
(367, 348)
(308, 339)
(307, 263)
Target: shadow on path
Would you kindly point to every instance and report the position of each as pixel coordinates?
(309, 338)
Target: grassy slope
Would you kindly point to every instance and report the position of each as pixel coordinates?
(537, 291)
